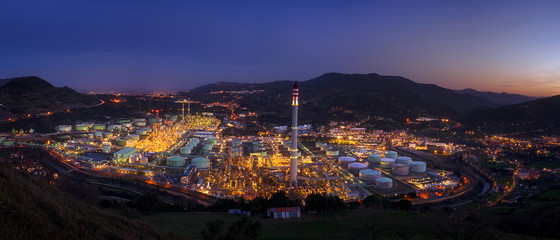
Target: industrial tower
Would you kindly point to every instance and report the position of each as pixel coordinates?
(293, 149)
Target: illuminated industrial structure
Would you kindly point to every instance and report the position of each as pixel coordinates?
(293, 149)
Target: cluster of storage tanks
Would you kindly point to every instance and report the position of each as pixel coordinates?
(138, 158)
(118, 124)
(399, 165)
(208, 145)
(178, 161)
(191, 144)
(329, 150)
(365, 173)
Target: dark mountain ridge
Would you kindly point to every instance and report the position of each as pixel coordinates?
(33, 95)
(503, 98)
(541, 116)
(351, 96)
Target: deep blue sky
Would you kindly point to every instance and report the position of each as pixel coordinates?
(509, 46)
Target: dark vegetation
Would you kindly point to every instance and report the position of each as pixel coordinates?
(32, 209)
(243, 229)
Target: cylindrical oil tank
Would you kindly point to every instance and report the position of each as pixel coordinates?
(98, 126)
(384, 183)
(82, 127)
(356, 167)
(121, 141)
(64, 128)
(175, 161)
(140, 124)
(133, 136)
(106, 148)
(186, 150)
(144, 160)
(173, 118)
(123, 120)
(107, 134)
(90, 135)
(391, 154)
(344, 161)
(201, 163)
(139, 120)
(400, 169)
(331, 152)
(98, 135)
(126, 125)
(369, 175)
(417, 167)
(374, 158)
(112, 127)
(152, 121)
(404, 160)
(318, 144)
(324, 147)
(386, 163)
(141, 132)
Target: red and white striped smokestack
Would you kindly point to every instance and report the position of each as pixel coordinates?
(295, 94)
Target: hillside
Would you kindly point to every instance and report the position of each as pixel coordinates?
(534, 117)
(33, 95)
(31, 209)
(499, 98)
(349, 96)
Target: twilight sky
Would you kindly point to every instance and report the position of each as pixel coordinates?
(511, 46)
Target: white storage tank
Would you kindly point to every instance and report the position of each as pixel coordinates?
(98, 126)
(356, 167)
(112, 127)
(331, 152)
(64, 128)
(374, 158)
(344, 161)
(386, 163)
(369, 175)
(404, 160)
(391, 154)
(175, 161)
(318, 144)
(384, 183)
(106, 147)
(186, 150)
(201, 163)
(400, 169)
(417, 167)
(324, 147)
(82, 127)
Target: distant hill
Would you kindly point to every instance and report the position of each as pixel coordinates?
(352, 96)
(32, 95)
(31, 209)
(533, 117)
(499, 98)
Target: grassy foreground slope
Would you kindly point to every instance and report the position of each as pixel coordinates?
(31, 209)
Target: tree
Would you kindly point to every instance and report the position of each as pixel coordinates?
(214, 230)
(243, 229)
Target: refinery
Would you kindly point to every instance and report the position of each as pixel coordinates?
(190, 152)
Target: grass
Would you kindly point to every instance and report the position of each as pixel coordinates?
(188, 224)
(551, 194)
(349, 224)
